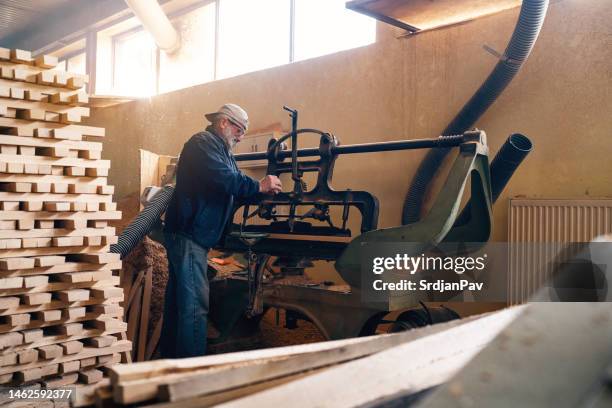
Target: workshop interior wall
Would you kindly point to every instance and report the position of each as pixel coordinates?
(411, 88)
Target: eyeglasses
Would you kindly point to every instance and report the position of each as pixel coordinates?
(237, 126)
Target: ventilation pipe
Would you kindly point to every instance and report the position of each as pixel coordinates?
(155, 21)
(523, 38)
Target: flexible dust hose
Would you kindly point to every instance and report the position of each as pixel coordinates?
(143, 223)
(523, 38)
(503, 166)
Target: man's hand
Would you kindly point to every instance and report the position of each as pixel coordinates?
(270, 185)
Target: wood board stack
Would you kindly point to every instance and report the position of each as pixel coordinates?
(60, 318)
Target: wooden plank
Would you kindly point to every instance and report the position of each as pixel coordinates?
(35, 298)
(59, 286)
(76, 277)
(51, 143)
(61, 381)
(90, 376)
(11, 340)
(86, 352)
(109, 292)
(73, 295)
(50, 352)
(7, 359)
(66, 267)
(72, 326)
(98, 258)
(21, 56)
(38, 128)
(16, 263)
(154, 340)
(28, 375)
(233, 394)
(27, 356)
(69, 366)
(11, 283)
(46, 61)
(51, 260)
(109, 358)
(76, 250)
(133, 319)
(51, 197)
(8, 302)
(101, 341)
(85, 393)
(51, 179)
(17, 319)
(144, 320)
(69, 329)
(410, 367)
(48, 315)
(74, 313)
(32, 335)
(35, 281)
(88, 362)
(61, 96)
(58, 339)
(16, 159)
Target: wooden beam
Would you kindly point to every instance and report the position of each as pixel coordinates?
(410, 367)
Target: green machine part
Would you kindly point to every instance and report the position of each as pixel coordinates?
(439, 225)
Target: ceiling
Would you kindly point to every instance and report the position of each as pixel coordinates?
(32, 24)
(17, 14)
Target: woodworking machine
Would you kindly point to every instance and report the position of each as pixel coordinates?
(278, 237)
(282, 235)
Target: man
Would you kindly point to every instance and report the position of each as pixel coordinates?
(207, 181)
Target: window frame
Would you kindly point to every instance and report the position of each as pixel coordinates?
(172, 16)
(124, 36)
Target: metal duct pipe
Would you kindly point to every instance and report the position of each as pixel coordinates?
(523, 38)
(155, 21)
(503, 166)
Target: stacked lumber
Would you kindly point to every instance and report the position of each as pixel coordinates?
(60, 319)
(427, 357)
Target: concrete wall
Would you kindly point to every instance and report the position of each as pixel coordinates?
(411, 88)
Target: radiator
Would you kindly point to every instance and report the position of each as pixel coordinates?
(539, 228)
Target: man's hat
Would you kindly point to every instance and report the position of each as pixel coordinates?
(234, 113)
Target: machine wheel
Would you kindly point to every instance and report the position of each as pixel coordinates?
(425, 316)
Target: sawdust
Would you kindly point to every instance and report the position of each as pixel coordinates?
(149, 253)
(271, 334)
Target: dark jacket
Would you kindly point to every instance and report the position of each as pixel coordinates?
(207, 181)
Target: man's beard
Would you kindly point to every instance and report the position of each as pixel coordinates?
(227, 135)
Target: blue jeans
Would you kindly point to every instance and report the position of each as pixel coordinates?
(187, 297)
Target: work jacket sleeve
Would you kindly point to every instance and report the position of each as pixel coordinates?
(218, 170)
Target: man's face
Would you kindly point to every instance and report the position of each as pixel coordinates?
(232, 132)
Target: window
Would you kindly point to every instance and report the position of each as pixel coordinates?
(71, 57)
(326, 26)
(221, 39)
(76, 64)
(195, 62)
(253, 35)
(135, 63)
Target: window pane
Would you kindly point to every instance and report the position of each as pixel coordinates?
(194, 63)
(76, 64)
(253, 34)
(326, 26)
(134, 73)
